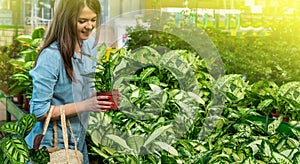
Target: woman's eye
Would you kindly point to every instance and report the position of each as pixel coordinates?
(81, 21)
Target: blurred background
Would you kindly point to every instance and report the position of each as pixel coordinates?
(22, 16)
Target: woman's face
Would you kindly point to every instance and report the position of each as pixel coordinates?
(86, 23)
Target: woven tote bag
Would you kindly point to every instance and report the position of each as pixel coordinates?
(62, 156)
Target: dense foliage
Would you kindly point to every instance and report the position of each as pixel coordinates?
(223, 120)
(274, 57)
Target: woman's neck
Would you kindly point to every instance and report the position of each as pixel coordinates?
(78, 49)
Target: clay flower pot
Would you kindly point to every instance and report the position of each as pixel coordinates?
(114, 97)
(276, 115)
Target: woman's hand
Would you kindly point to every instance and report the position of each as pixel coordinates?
(94, 104)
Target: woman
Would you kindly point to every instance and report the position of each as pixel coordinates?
(58, 75)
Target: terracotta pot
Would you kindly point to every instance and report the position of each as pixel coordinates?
(276, 115)
(114, 95)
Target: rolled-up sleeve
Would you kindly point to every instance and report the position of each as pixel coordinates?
(44, 77)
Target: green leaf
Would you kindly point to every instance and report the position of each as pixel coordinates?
(38, 33)
(167, 147)
(135, 142)
(155, 88)
(11, 128)
(293, 143)
(15, 149)
(36, 42)
(24, 39)
(266, 148)
(156, 133)
(296, 132)
(20, 76)
(296, 158)
(147, 72)
(249, 160)
(27, 122)
(286, 88)
(196, 97)
(281, 158)
(40, 156)
(119, 141)
(262, 105)
(152, 80)
(167, 159)
(289, 153)
(101, 52)
(272, 127)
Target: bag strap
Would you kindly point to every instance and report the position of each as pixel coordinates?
(64, 131)
(39, 138)
(73, 137)
(46, 123)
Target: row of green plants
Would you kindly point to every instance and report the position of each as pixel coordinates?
(223, 120)
(274, 57)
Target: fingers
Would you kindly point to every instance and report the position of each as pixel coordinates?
(103, 97)
(108, 102)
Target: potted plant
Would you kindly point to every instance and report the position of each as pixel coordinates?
(14, 149)
(106, 60)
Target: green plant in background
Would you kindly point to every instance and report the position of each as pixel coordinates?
(22, 82)
(6, 69)
(13, 147)
(273, 58)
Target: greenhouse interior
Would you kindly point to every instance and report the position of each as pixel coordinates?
(190, 81)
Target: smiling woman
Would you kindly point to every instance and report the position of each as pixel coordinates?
(86, 23)
(57, 76)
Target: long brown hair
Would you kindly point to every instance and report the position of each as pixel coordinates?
(63, 29)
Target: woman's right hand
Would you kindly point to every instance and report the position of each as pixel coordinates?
(95, 104)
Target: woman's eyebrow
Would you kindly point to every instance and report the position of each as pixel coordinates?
(87, 19)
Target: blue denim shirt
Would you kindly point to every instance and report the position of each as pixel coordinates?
(51, 86)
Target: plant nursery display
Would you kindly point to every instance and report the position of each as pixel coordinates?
(234, 132)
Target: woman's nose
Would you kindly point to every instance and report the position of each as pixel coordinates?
(89, 26)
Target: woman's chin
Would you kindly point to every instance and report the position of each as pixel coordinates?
(84, 36)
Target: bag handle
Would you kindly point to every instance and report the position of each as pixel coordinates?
(64, 131)
(46, 123)
(64, 124)
(39, 138)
